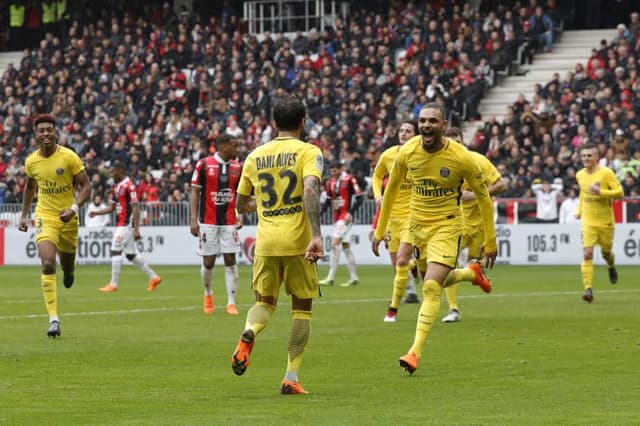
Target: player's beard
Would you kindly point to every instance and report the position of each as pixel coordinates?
(429, 138)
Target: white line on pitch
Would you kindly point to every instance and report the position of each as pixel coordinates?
(320, 302)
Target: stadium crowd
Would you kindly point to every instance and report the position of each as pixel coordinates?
(154, 90)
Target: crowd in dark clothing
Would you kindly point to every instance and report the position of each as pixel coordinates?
(598, 102)
(155, 89)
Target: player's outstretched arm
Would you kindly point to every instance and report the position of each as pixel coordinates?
(312, 210)
(107, 210)
(27, 198)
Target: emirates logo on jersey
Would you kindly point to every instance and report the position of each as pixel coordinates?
(211, 171)
(444, 172)
(59, 171)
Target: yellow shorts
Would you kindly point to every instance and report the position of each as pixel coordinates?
(473, 238)
(398, 230)
(437, 242)
(300, 278)
(598, 235)
(63, 235)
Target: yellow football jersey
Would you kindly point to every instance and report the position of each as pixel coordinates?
(470, 209)
(54, 175)
(596, 210)
(436, 180)
(275, 173)
(383, 168)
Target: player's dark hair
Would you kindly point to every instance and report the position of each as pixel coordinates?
(412, 123)
(589, 145)
(226, 138)
(44, 118)
(119, 165)
(434, 105)
(288, 113)
(454, 132)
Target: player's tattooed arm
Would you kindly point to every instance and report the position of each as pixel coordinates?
(312, 203)
(246, 203)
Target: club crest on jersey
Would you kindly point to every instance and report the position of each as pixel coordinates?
(444, 172)
(59, 171)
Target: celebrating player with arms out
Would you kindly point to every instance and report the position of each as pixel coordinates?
(345, 196)
(598, 186)
(214, 220)
(473, 231)
(124, 201)
(54, 170)
(398, 232)
(285, 176)
(436, 167)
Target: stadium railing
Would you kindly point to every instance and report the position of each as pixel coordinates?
(508, 211)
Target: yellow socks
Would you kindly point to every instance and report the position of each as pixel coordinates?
(400, 281)
(452, 296)
(258, 317)
(298, 338)
(586, 268)
(50, 293)
(427, 316)
(458, 275)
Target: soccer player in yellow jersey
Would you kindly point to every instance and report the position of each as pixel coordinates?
(284, 175)
(399, 243)
(598, 186)
(472, 231)
(436, 167)
(55, 171)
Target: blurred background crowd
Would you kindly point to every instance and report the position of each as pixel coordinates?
(153, 87)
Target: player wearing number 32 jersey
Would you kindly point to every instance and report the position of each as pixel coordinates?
(284, 176)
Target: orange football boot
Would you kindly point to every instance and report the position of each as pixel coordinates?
(480, 279)
(207, 306)
(109, 288)
(288, 387)
(240, 357)
(154, 282)
(409, 362)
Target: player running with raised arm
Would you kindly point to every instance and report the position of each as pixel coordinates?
(54, 171)
(399, 240)
(436, 167)
(124, 200)
(598, 186)
(214, 220)
(345, 196)
(284, 175)
(473, 231)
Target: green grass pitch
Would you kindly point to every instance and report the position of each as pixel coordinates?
(531, 352)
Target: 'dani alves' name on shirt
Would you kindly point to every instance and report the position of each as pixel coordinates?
(285, 159)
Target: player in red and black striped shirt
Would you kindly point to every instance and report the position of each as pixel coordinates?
(345, 195)
(213, 217)
(124, 200)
